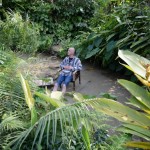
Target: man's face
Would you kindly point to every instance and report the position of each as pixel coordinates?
(70, 51)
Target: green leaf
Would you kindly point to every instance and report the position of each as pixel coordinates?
(90, 47)
(91, 35)
(110, 46)
(134, 61)
(33, 116)
(29, 99)
(86, 137)
(139, 41)
(97, 41)
(143, 145)
(141, 94)
(121, 112)
(141, 17)
(135, 102)
(78, 97)
(145, 132)
(27, 92)
(133, 132)
(110, 36)
(54, 102)
(123, 40)
(91, 53)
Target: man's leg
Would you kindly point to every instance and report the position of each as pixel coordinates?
(60, 79)
(68, 79)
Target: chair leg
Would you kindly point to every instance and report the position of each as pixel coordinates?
(74, 86)
(79, 79)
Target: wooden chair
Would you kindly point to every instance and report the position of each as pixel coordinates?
(76, 75)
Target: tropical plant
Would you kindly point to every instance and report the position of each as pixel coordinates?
(15, 114)
(57, 120)
(134, 122)
(125, 27)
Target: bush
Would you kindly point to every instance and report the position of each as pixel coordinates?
(59, 19)
(124, 27)
(19, 35)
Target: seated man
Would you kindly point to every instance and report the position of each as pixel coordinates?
(70, 64)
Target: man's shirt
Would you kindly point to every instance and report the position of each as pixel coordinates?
(74, 62)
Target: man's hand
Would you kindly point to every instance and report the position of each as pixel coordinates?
(68, 67)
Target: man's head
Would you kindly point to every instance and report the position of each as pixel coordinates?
(71, 52)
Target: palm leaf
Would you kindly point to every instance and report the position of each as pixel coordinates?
(11, 122)
(48, 123)
(86, 137)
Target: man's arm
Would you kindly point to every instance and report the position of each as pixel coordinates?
(77, 66)
(63, 63)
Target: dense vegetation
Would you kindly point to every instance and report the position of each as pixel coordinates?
(116, 26)
(34, 118)
(98, 29)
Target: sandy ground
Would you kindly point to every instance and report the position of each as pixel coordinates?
(95, 81)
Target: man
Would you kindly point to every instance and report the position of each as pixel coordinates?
(70, 64)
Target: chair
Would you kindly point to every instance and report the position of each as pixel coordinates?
(76, 75)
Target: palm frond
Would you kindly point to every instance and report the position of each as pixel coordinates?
(62, 117)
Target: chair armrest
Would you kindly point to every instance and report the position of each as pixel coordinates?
(76, 74)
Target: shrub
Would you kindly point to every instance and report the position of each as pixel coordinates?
(19, 35)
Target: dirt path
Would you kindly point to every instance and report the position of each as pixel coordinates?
(95, 81)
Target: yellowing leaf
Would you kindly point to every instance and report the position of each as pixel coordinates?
(27, 92)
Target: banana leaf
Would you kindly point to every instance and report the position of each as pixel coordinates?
(134, 61)
(144, 133)
(141, 94)
(143, 145)
(29, 99)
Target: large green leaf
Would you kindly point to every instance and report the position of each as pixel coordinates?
(90, 47)
(143, 145)
(121, 112)
(98, 41)
(135, 102)
(141, 94)
(86, 137)
(142, 131)
(133, 132)
(54, 102)
(110, 46)
(29, 99)
(92, 52)
(27, 93)
(134, 61)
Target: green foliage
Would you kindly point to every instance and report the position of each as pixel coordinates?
(58, 20)
(18, 35)
(134, 122)
(125, 27)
